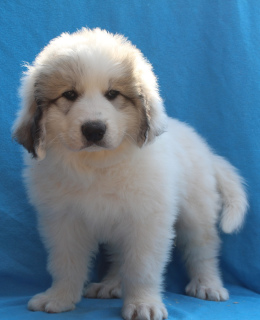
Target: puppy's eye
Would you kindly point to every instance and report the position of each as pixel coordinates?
(112, 94)
(70, 95)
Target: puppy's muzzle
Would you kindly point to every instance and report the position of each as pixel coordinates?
(93, 131)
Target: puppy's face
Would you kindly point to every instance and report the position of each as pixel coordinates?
(92, 103)
(90, 90)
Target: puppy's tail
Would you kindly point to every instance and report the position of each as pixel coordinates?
(231, 187)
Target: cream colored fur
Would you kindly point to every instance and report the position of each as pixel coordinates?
(149, 176)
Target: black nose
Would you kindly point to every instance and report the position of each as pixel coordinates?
(93, 130)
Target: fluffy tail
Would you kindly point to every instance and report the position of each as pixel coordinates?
(234, 197)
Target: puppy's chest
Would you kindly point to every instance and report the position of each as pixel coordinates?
(108, 185)
(95, 189)
(104, 194)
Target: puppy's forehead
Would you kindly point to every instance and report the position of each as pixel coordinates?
(93, 57)
(84, 68)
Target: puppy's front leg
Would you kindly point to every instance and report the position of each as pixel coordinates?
(69, 247)
(145, 253)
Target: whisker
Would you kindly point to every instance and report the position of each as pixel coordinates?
(127, 135)
(54, 140)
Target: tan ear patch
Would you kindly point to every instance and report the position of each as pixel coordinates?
(30, 133)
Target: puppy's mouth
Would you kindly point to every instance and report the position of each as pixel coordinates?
(76, 146)
(93, 146)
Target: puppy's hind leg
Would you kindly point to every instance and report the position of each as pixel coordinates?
(110, 286)
(199, 242)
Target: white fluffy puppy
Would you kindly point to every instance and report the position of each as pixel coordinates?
(113, 168)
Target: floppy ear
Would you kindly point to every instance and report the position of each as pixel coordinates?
(153, 116)
(29, 127)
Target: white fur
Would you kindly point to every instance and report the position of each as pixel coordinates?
(119, 194)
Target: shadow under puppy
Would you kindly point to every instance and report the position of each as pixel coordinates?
(110, 167)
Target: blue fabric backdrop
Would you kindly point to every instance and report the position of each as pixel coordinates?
(207, 57)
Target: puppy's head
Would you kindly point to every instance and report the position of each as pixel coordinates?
(89, 90)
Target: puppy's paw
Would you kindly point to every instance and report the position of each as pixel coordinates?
(50, 303)
(205, 291)
(103, 290)
(144, 311)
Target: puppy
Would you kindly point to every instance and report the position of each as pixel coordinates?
(108, 166)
